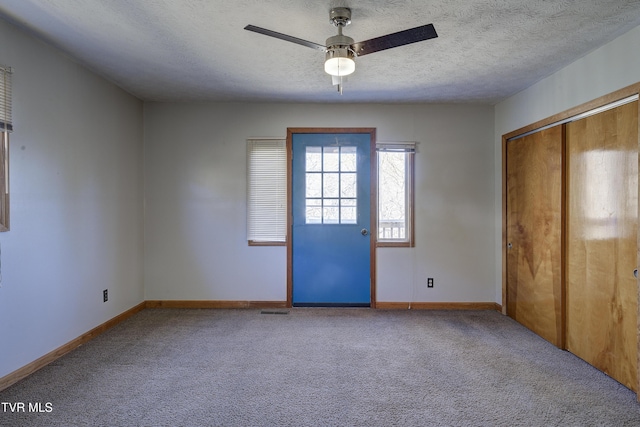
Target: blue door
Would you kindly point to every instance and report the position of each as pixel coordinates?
(331, 219)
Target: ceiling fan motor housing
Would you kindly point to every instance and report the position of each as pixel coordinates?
(340, 16)
(339, 41)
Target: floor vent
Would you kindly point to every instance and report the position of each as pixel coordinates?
(274, 312)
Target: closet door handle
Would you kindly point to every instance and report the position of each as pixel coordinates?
(635, 273)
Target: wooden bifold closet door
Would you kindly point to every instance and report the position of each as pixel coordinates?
(534, 230)
(602, 228)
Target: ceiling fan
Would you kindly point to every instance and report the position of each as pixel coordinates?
(340, 50)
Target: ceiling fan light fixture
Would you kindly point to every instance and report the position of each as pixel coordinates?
(341, 50)
(339, 61)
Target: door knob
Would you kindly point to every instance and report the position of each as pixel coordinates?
(635, 273)
(509, 245)
(364, 231)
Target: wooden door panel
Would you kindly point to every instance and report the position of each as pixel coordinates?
(602, 210)
(534, 231)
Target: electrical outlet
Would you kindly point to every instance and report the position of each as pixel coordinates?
(430, 282)
(105, 295)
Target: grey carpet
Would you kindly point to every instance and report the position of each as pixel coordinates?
(320, 367)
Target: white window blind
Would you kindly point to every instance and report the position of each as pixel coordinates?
(5, 99)
(267, 190)
(404, 147)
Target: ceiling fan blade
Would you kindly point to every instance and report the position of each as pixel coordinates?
(286, 37)
(401, 38)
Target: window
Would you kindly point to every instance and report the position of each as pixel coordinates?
(6, 126)
(266, 192)
(395, 194)
(331, 185)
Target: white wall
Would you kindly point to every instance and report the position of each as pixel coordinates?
(605, 70)
(76, 202)
(195, 208)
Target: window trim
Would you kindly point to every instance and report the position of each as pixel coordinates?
(281, 192)
(409, 148)
(4, 181)
(6, 126)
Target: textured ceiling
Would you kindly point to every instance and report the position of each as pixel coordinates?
(197, 50)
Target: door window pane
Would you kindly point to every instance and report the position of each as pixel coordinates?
(331, 185)
(330, 213)
(313, 159)
(348, 159)
(331, 159)
(348, 211)
(314, 211)
(348, 185)
(314, 185)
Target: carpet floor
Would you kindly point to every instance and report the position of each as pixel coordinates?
(319, 367)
